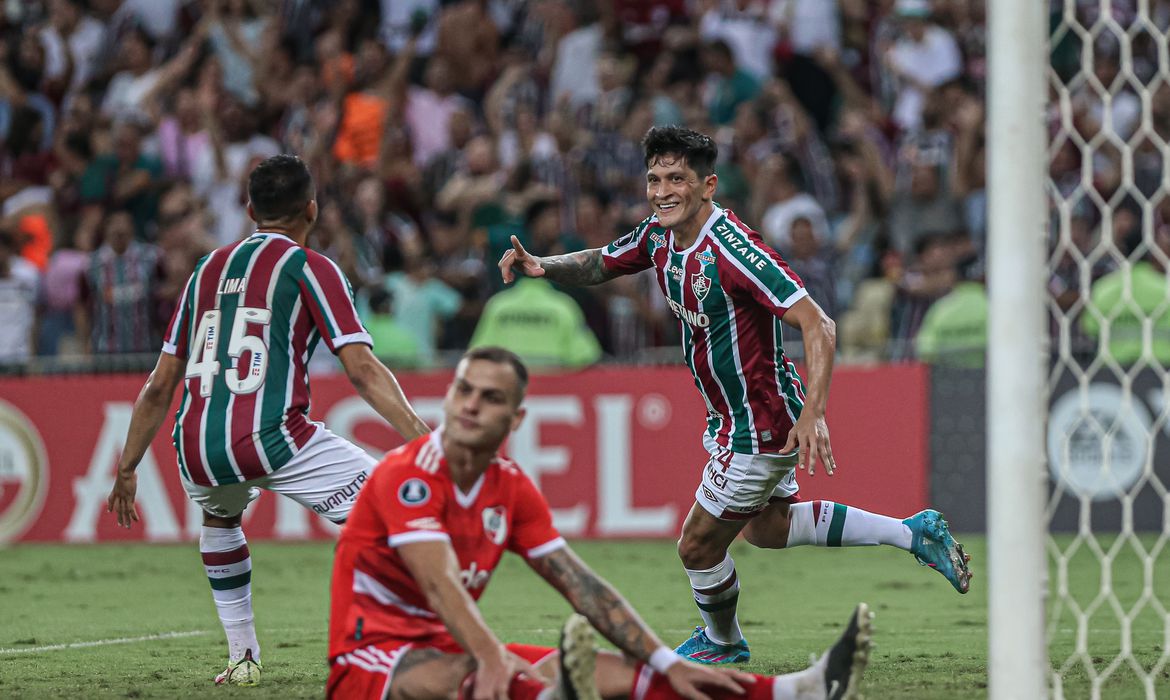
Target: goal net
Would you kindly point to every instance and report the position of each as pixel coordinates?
(1108, 427)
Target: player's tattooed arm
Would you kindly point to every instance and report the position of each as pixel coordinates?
(579, 269)
(597, 600)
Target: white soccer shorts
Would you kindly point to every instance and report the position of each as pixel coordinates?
(325, 477)
(738, 486)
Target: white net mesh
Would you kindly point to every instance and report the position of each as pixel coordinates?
(1109, 432)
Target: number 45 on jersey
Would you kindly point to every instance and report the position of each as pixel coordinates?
(203, 362)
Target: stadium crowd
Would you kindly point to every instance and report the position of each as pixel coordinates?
(851, 135)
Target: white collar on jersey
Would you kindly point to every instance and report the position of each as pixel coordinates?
(465, 500)
(258, 232)
(715, 214)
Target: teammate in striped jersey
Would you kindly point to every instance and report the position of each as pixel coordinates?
(244, 330)
(420, 549)
(731, 293)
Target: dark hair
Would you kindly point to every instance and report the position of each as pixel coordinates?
(279, 188)
(502, 356)
(536, 209)
(698, 150)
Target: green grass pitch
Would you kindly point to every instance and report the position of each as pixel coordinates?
(931, 642)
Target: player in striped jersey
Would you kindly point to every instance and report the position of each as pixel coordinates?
(244, 330)
(731, 293)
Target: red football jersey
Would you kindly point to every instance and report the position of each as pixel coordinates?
(410, 497)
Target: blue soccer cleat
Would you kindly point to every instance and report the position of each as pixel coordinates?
(933, 546)
(700, 649)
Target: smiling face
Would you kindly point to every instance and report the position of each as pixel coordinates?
(678, 195)
(482, 404)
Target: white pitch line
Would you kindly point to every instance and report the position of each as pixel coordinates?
(101, 642)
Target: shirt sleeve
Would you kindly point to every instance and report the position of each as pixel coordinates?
(329, 298)
(755, 269)
(533, 533)
(178, 330)
(628, 254)
(410, 505)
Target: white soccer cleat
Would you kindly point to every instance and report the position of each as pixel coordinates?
(245, 672)
(578, 657)
(845, 661)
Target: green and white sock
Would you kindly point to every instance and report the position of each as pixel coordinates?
(829, 524)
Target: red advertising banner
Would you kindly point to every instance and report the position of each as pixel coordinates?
(617, 452)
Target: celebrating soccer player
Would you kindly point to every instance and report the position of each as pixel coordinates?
(731, 292)
(421, 545)
(245, 327)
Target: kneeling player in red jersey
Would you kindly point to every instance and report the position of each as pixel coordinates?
(423, 540)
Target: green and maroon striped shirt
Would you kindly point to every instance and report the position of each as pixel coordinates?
(247, 323)
(729, 291)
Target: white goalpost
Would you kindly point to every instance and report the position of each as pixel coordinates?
(1078, 382)
(1017, 341)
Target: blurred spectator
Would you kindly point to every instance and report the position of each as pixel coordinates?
(574, 72)
(923, 57)
(929, 276)
(954, 331)
(73, 41)
(806, 26)
(117, 311)
(126, 95)
(923, 205)
(60, 295)
(743, 27)
(420, 302)
(727, 85)
(220, 174)
(366, 108)
(394, 344)
(538, 323)
(1131, 299)
(778, 182)
(234, 33)
(811, 256)
(429, 110)
(19, 282)
(125, 178)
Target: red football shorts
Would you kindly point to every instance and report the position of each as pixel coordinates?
(366, 673)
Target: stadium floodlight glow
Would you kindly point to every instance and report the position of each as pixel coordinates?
(1017, 337)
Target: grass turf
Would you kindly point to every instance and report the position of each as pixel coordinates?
(932, 642)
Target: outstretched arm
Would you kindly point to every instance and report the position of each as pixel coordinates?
(616, 620)
(149, 412)
(378, 387)
(579, 269)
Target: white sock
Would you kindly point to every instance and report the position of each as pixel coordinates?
(829, 524)
(229, 571)
(808, 684)
(717, 594)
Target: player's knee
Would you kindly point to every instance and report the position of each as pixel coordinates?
(699, 553)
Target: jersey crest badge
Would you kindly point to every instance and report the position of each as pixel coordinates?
(700, 285)
(495, 524)
(414, 492)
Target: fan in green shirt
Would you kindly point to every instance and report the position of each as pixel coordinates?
(954, 331)
(543, 326)
(1124, 315)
